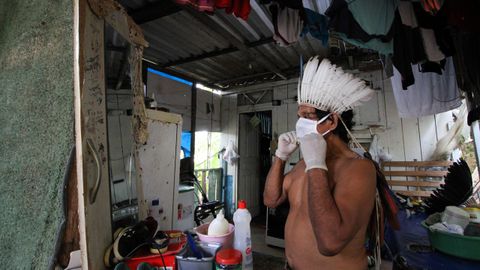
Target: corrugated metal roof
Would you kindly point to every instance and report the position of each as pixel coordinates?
(220, 50)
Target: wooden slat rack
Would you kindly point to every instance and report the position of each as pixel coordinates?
(415, 178)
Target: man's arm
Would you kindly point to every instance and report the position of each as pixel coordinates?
(274, 193)
(337, 217)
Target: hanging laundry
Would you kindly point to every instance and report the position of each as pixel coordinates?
(223, 3)
(375, 17)
(431, 93)
(431, 47)
(415, 42)
(407, 42)
(431, 6)
(322, 5)
(239, 8)
(317, 25)
(200, 5)
(467, 59)
(287, 24)
(462, 17)
(433, 67)
(407, 14)
(435, 31)
(364, 23)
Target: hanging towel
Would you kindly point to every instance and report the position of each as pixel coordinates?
(431, 93)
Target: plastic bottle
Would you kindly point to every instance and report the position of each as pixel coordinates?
(242, 240)
(218, 226)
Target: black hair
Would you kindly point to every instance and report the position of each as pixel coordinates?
(340, 130)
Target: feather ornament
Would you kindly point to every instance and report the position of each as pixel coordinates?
(328, 88)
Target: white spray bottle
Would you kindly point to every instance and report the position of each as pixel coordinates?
(242, 240)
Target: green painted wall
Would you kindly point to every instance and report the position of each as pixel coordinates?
(36, 126)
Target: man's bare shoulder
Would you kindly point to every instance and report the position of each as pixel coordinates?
(361, 169)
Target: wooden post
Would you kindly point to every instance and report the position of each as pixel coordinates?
(193, 120)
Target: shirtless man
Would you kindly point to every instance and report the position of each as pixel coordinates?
(331, 194)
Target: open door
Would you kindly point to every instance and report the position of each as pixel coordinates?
(94, 205)
(254, 142)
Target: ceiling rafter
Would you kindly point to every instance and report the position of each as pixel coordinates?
(216, 53)
(253, 55)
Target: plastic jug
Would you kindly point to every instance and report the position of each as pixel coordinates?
(218, 226)
(242, 240)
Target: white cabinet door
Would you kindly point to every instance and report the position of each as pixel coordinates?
(159, 168)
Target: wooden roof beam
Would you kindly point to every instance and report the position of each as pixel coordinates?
(216, 53)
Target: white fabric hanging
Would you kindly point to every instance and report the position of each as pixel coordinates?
(431, 93)
(230, 154)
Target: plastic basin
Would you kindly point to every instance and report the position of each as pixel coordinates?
(226, 240)
(467, 247)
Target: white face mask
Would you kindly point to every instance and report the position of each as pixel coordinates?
(306, 126)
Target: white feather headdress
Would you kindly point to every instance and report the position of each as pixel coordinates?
(328, 88)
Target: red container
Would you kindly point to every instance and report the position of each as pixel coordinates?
(143, 255)
(153, 260)
(228, 259)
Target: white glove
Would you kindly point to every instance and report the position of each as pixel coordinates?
(287, 144)
(314, 151)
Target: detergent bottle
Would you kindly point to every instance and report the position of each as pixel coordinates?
(242, 240)
(218, 226)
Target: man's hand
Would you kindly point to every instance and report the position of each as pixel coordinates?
(314, 151)
(287, 144)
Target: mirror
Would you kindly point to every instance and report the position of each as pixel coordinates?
(119, 102)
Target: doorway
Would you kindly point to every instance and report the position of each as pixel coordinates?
(255, 135)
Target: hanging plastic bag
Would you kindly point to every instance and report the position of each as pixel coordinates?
(230, 154)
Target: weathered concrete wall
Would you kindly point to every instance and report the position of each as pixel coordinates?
(36, 127)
